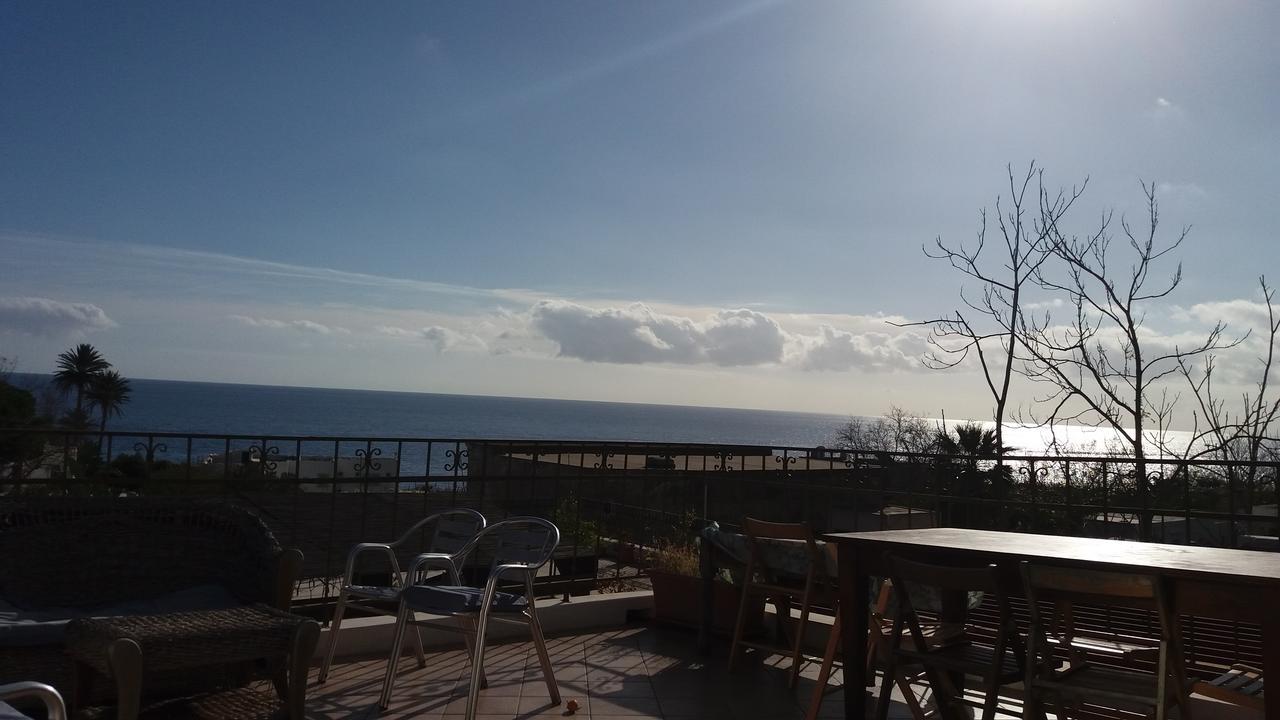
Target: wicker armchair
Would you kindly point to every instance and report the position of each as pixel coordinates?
(64, 558)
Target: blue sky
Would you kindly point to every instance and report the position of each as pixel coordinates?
(471, 197)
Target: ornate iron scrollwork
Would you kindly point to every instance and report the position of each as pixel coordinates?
(723, 459)
(149, 449)
(366, 461)
(262, 455)
(459, 460)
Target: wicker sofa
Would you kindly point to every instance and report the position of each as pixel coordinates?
(67, 558)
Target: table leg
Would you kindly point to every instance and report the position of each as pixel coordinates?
(707, 566)
(855, 589)
(1271, 661)
(125, 658)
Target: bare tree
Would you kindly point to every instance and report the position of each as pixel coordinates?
(1097, 365)
(896, 431)
(1245, 436)
(985, 327)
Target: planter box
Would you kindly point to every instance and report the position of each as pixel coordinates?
(677, 599)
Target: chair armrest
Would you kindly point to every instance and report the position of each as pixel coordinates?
(426, 560)
(348, 576)
(54, 707)
(288, 570)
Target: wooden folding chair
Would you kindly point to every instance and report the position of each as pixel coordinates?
(1080, 678)
(774, 586)
(877, 652)
(952, 656)
(1239, 685)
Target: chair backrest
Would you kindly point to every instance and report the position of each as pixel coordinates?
(1047, 582)
(757, 530)
(453, 529)
(924, 586)
(1066, 587)
(944, 577)
(528, 541)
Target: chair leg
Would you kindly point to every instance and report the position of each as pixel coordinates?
(909, 696)
(415, 638)
(334, 627)
(992, 684)
(477, 663)
(799, 639)
(886, 685)
(403, 615)
(739, 627)
(544, 658)
(468, 625)
(824, 672)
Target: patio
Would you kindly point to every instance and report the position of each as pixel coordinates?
(638, 671)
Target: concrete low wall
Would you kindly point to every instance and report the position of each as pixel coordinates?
(371, 636)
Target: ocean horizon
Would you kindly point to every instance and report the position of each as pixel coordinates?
(182, 406)
(248, 409)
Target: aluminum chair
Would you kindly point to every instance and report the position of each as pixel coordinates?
(54, 708)
(521, 545)
(450, 531)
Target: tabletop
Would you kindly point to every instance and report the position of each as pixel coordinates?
(1239, 566)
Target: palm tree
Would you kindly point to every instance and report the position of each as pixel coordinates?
(76, 369)
(108, 391)
(970, 441)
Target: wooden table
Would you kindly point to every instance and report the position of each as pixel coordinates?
(1239, 585)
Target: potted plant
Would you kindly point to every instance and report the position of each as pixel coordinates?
(674, 572)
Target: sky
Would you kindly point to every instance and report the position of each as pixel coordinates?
(693, 203)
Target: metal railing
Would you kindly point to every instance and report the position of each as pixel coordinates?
(324, 493)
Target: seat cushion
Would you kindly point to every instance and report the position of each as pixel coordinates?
(449, 599)
(44, 626)
(7, 712)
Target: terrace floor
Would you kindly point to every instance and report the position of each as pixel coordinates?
(634, 672)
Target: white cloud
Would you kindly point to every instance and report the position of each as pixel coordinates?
(1239, 314)
(309, 326)
(441, 338)
(838, 350)
(397, 332)
(639, 334)
(1164, 108)
(44, 316)
(1181, 191)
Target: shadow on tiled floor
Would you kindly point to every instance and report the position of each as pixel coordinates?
(634, 672)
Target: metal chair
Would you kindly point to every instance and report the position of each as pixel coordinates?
(54, 708)
(1082, 680)
(949, 656)
(450, 531)
(521, 546)
(817, 588)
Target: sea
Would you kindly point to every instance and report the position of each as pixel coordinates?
(233, 409)
(275, 411)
